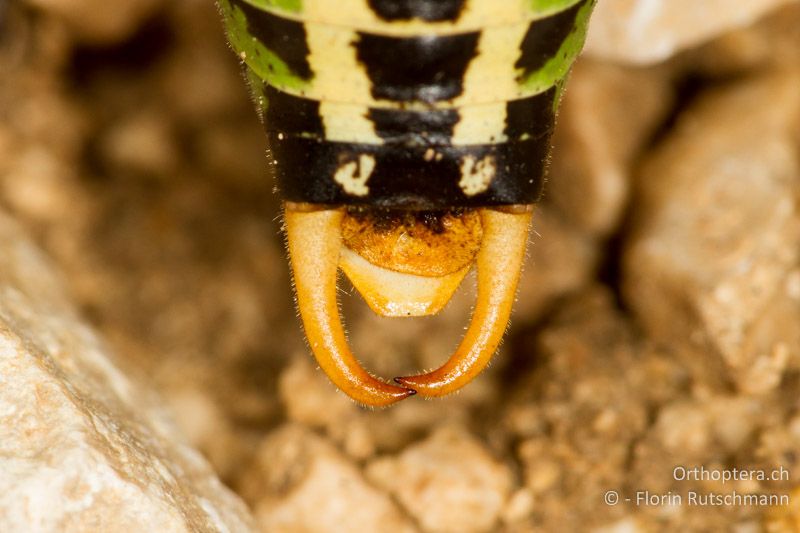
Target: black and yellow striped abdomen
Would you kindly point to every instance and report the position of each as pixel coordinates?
(421, 104)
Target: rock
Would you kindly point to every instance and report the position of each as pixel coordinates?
(449, 482)
(785, 518)
(713, 255)
(202, 59)
(608, 114)
(312, 400)
(206, 427)
(42, 131)
(692, 430)
(141, 142)
(773, 41)
(99, 22)
(684, 429)
(300, 482)
(626, 525)
(309, 398)
(519, 506)
(561, 259)
(647, 31)
(734, 421)
(83, 447)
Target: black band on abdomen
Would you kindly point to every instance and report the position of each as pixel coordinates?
(407, 177)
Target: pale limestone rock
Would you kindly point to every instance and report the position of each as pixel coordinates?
(608, 113)
(734, 420)
(714, 249)
(684, 430)
(449, 482)
(82, 446)
(519, 506)
(647, 31)
(300, 482)
(773, 41)
(311, 399)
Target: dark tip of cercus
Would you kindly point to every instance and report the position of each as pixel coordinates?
(387, 396)
(425, 386)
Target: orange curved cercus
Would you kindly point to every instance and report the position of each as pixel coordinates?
(314, 241)
(499, 265)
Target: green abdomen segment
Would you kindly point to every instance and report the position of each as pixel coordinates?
(412, 103)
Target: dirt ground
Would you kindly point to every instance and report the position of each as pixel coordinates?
(656, 339)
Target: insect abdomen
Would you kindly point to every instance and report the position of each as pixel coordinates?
(421, 104)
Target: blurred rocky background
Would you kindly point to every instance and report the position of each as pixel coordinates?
(146, 311)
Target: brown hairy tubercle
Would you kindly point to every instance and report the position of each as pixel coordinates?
(424, 243)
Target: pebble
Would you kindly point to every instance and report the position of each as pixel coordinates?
(716, 229)
(301, 482)
(648, 31)
(449, 482)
